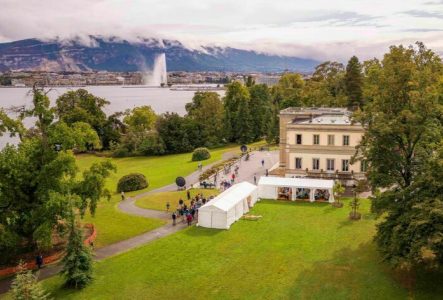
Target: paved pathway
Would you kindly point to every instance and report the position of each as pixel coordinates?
(246, 172)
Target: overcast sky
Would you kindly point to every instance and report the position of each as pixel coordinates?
(321, 29)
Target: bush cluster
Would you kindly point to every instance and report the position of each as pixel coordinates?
(132, 182)
(200, 154)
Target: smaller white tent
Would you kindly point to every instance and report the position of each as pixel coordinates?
(228, 207)
(295, 188)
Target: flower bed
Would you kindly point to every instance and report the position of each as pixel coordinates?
(53, 257)
(217, 168)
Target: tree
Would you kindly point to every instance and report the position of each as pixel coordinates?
(237, 119)
(260, 106)
(39, 180)
(25, 285)
(326, 87)
(353, 83)
(77, 263)
(243, 126)
(140, 118)
(290, 89)
(173, 131)
(403, 128)
(206, 109)
(82, 106)
(139, 127)
(338, 191)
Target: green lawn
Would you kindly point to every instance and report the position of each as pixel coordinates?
(113, 225)
(295, 251)
(158, 201)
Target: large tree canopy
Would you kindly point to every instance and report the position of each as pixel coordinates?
(403, 130)
(38, 180)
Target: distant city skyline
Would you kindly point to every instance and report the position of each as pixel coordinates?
(309, 29)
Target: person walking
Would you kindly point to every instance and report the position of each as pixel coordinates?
(262, 162)
(174, 218)
(39, 261)
(267, 172)
(123, 195)
(167, 206)
(189, 219)
(255, 179)
(188, 194)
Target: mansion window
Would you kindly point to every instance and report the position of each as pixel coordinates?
(345, 165)
(298, 163)
(315, 164)
(298, 139)
(330, 164)
(316, 140)
(346, 140)
(363, 166)
(330, 139)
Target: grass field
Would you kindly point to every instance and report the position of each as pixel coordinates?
(295, 251)
(158, 201)
(113, 225)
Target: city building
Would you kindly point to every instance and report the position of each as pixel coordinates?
(319, 143)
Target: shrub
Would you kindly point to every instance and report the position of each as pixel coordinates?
(121, 152)
(26, 286)
(132, 182)
(200, 154)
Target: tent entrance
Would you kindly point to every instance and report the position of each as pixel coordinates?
(321, 195)
(303, 194)
(284, 193)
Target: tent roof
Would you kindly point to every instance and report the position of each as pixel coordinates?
(297, 182)
(231, 196)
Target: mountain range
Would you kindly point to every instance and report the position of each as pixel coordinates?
(120, 55)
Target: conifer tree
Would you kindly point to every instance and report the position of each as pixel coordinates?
(353, 83)
(25, 285)
(77, 263)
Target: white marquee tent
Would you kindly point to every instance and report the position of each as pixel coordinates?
(296, 188)
(228, 207)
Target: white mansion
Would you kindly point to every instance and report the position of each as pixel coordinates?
(319, 143)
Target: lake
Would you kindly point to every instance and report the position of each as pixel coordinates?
(121, 98)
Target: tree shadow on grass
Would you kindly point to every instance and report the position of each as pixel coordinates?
(349, 274)
(360, 274)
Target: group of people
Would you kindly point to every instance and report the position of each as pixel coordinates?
(185, 212)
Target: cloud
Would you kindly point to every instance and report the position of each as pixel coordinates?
(424, 14)
(314, 29)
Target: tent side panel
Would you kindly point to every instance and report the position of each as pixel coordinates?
(204, 218)
(267, 192)
(219, 220)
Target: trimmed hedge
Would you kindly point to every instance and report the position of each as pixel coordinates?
(200, 154)
(132, 182)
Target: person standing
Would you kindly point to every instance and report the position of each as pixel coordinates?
(174, 218)
(167, 206)
(39, 261)
(188, 194)
(189, 219)
(267, 172)
(255, 179)
(262, 162)
(123, 195)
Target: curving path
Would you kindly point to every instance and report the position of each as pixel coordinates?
(247, 171)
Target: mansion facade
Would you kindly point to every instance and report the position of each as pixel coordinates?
(319, 143)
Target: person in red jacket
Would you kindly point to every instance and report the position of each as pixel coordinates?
(189, 219)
